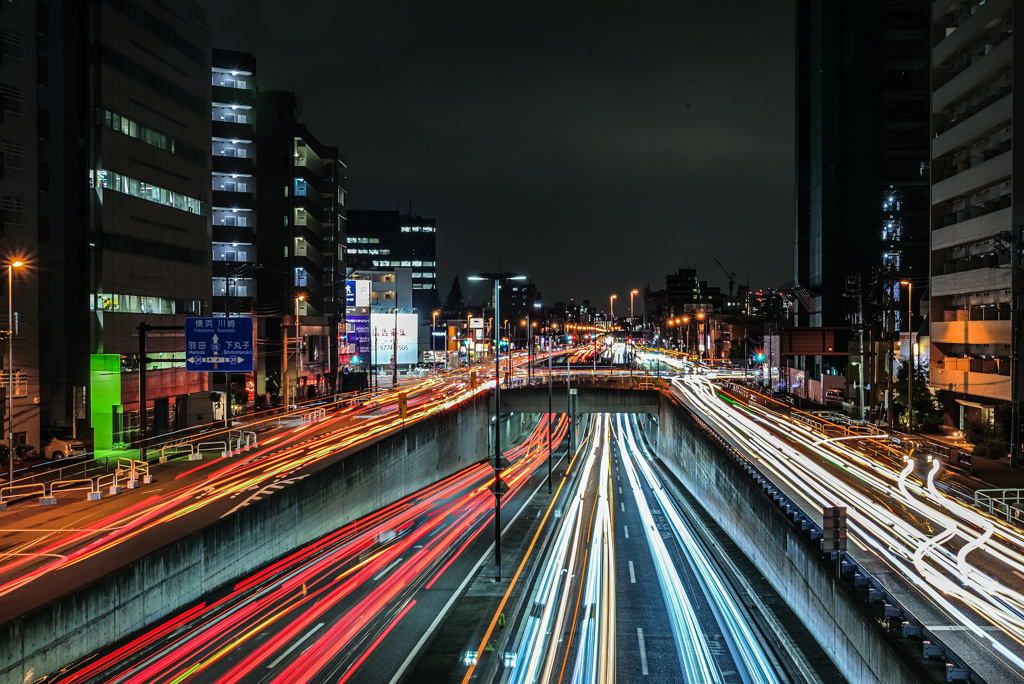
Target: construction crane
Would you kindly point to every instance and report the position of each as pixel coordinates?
(731, 276)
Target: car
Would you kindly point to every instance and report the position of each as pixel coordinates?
(833, 397)
(59, 444)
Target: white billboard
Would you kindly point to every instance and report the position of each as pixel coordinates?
(383, 328)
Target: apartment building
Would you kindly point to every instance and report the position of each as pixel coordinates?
(974, 220)
(300, 202)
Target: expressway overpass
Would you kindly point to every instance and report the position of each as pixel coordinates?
(379, 528)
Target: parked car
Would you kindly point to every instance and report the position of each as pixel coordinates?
(59, 444)
(833, 397)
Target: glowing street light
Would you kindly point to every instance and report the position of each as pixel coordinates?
(611, 306)
(10, 362)
(910, 359)
(498, 466)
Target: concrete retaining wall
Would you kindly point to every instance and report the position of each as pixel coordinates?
(134, 596)
(839, 621)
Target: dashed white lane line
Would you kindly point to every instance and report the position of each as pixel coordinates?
(386, 570)
(294, 646)
(625, 528)
(632, 575)
(643, 651)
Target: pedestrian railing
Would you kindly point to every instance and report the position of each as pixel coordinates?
(1007, 504)
(222, 446)
(11, 492)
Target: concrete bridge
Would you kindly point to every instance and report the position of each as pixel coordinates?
(588, 394)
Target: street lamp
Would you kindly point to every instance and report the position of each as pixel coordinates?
(611, 306)
(910, 358)
(631, 293)
(498, 466)
(10, 363)
(298, 348)
(700, 338)
(433, 324)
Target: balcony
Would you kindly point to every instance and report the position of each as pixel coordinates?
(240, 234)
(235, 269)
(978, 280)
(242, 97)
(977, 332)
(234, 304)
(223, 199)
(242, 166)
(974, 77)
(972, 230)
(989, 385)
(976, 178)
(975, 26)
(231, 130)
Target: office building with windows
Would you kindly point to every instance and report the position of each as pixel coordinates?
(106, 200)
(300, 202)
(861, 167)
(975, 224)
(24, 191)
(386, 240)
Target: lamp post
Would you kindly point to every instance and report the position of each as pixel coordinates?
(910, 357)
(631, 293)
(611, 307)
(433, 324)
(686, 332)
(10, 364)
(394, 349)
(700, 338)
(298, 348)
(498, 466)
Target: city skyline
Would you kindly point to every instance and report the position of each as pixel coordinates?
(517, 128)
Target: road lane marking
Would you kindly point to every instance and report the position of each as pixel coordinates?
(294, 646)
(386, 570)
(632, 576)
(643, 651)
(623, 506)
(620, 490)
(626, 529)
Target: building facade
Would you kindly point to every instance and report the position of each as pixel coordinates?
(974, 221)
(388, 240)
(300, 202)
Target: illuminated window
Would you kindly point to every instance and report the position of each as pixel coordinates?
(110, 180)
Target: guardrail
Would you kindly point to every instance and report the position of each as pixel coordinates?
(12, 495)
(175, 448)
(205, 446)
(245, 440)
(1001, 502)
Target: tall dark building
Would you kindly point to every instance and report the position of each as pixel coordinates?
(384, 240)
(861, 157)
(106, 200)
(975, 221)
(300, 204)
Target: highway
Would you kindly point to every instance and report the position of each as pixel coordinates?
(626, 591)
(959, 570)
(81, 540)
(367, 591)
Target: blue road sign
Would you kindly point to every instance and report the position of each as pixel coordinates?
(219, 344)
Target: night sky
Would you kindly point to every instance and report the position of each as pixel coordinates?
(595, 146)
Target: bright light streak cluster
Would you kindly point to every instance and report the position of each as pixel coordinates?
(889, 514)
(338, 598)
